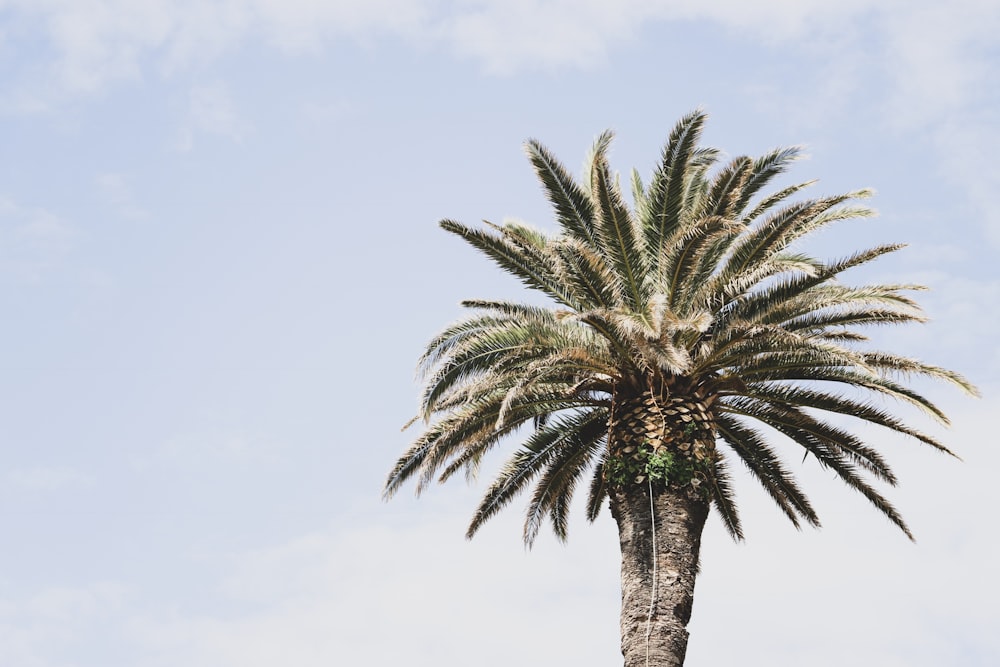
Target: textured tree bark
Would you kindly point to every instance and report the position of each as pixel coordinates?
(680, 518)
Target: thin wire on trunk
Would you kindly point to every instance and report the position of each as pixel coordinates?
(652, 595)
(652, 523)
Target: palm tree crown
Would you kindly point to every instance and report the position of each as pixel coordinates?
(685, 330)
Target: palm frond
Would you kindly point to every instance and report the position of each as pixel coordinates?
(723, 287)
(529, 462)
(765, 168)
(764, 464)
(820, 438)
(835, 403)
(666, 189)
(574, 211)
(848, 377)
(598, 492)
(558, 479)
(587, 275)
(617, 233)
(533, 268)
(724, 500)
(906, 366)
(784, 226)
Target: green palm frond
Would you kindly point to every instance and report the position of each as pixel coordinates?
(532, 267)
(905, 366)
(587, 275)
(598, 491)
(736, 303)
(555, 487)
(724, 500)
(771, 201)
(617, 234)
(779, 229)
(726, 189)
(828, 443)
(765, 168)
(763, 463)
(540, 449)
(838, 404)
(686, 258)
(574, 211)
(670, 180)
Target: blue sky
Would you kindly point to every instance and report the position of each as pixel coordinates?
(219, 261)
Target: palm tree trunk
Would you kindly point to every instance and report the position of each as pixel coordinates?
(659, 638)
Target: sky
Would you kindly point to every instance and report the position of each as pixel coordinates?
(219, 261)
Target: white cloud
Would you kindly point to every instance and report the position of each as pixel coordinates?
(89, 44)
(55, 621)
(395, 592)
(937, 55)
(329, 111)
(969, 143)
(940, 62)
(304, 25)
(45, 478)
(115, 189)
(93, 42)
(207, 449)
(32, 241)
(935, 50)
(507, 36)
(931, 62)
(211, 111)
(531, 34)
(96, 42)
(69, 603)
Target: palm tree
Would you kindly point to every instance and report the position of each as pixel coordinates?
(686, 332)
